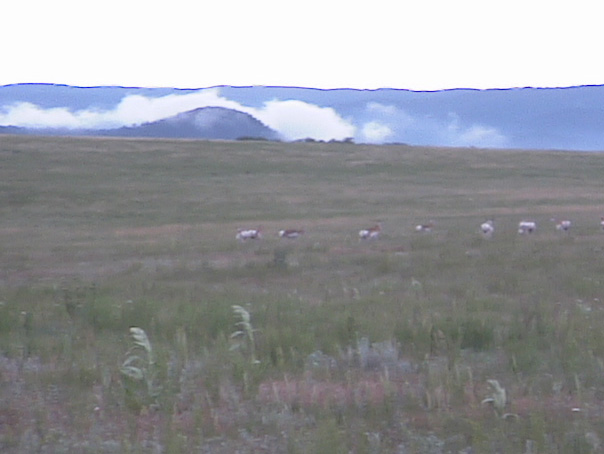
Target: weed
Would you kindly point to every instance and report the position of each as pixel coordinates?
(244, 336)
(139, 373)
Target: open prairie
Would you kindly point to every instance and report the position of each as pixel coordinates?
(415, 342)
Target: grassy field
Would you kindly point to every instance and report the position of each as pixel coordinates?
(439, 342)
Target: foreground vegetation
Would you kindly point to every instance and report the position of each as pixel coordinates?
(440, 342)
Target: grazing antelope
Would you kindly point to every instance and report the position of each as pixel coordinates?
(291, 234)
(526, 227)
(487, 228)
(371, 233)
(249, 234)
(424, 227)
(562, 225)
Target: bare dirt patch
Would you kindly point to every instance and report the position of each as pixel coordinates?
(167, 229)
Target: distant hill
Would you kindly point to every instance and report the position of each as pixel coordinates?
(202, 123)
(11, 130)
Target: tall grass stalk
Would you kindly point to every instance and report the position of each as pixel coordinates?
(140, 368)
(245, 333)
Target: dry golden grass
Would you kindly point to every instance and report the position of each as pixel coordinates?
(395, 338)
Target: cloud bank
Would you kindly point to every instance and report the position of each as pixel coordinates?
(292, 119)
(384, 123)
(299, 120)
(376, 132)
(130, 111)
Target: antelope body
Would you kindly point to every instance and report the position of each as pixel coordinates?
(290, 233)
(526, 227)
(249, 234)
(424, 227)
(371, 233)
(487, 228)
(562, 225)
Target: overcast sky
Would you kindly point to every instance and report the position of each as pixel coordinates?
(418, 44)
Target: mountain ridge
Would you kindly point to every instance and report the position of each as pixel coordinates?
(201, 123)
(217, 123)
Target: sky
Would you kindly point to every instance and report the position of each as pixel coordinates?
(422, 45)
(416, 45)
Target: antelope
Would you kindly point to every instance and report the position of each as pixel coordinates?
(562, 225)
(487, 228)
(249, 234)
(526, 227)
(291, 234)
(602, 222)
(424, 227)
(371, 233)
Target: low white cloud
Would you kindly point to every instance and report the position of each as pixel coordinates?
(474, 135)
(390, 123)
(386, 109)
(386, 121)
(482, 136)
(299, 120)
(291, 118)
(131, 110)
(29, 115)
(375, 132)
(137, 109)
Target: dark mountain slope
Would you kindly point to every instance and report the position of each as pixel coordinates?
(203, 123)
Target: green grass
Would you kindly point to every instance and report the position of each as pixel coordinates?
(378, 346)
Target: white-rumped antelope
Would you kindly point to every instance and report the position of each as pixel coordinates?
(249, 234)
(291, 234)
(425, 227)
(487, 229)
(525, 227)
(563, 225)
(371, 233)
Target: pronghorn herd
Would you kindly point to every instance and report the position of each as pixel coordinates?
(487, 229)
(256, 234)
